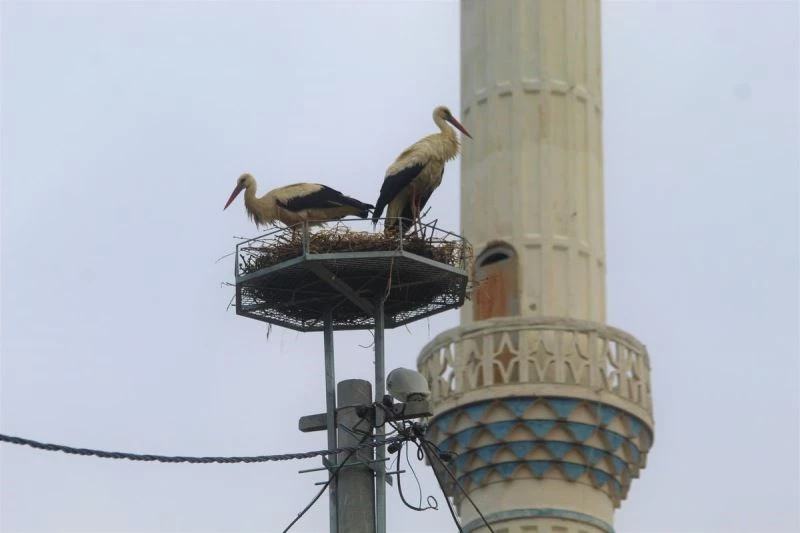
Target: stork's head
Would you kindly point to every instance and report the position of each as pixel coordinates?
(443, 113)
(244, 181)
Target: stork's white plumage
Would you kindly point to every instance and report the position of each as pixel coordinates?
(313, 203)
(416, 173)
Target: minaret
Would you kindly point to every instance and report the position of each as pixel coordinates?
(546, 409)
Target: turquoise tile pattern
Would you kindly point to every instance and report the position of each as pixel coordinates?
(549, 445)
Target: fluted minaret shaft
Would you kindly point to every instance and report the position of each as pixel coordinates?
(532, 177)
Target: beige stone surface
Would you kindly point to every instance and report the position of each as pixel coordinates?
(533, 174)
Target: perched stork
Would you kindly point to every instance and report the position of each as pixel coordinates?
(300, 202)
(416, 173)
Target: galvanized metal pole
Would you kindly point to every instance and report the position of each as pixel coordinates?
(380, 451)
(330, 414)
(356, 483)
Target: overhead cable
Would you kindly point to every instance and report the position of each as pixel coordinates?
(182, 459)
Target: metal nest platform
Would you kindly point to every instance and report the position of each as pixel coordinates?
(292, 279)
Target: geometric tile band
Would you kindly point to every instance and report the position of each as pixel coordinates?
(557, 450)
(506, 470)
(501, 516)
(539, 428)
(560, 407)
(578, 440)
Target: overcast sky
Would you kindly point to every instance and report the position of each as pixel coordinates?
(124, 127)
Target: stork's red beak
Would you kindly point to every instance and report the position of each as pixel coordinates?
(452, 120)
(234, 194)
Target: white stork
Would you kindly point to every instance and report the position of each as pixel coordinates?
(313, 203)
(416, 173)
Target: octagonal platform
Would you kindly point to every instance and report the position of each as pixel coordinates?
(292, 282)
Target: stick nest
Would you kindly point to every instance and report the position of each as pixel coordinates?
(295, 296)
(342, 240)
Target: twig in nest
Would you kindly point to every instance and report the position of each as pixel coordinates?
(423, 228)
(389, 280)
(370, 345)
(224, 256)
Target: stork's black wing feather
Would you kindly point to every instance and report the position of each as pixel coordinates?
(323, 198)
(392, 186)
(427, 196)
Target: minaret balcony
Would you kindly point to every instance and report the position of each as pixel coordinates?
(541, 397)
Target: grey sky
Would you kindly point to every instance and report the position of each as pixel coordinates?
(124, 127)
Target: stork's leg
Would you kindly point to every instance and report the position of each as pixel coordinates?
(413, 220)
(412, 223)
(417, 209)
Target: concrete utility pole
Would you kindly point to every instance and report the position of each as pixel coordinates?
(356, 482)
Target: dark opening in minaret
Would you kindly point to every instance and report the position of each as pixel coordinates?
(496, 283)
(494, 258)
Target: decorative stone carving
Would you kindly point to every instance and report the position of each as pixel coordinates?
(596, 361)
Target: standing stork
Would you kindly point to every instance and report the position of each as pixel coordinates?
(312, 203)
(416, 173)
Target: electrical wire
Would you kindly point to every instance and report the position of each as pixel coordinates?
(414, 473)
(321, 491)
(408, 431)
(394, 462)
(444, 492)
(196, 460)
(432, 446)
(429, 499)
(333, 474)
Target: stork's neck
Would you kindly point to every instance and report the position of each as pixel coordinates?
(261, 210)
(450, 143)
(444, 126)
(249, 194)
